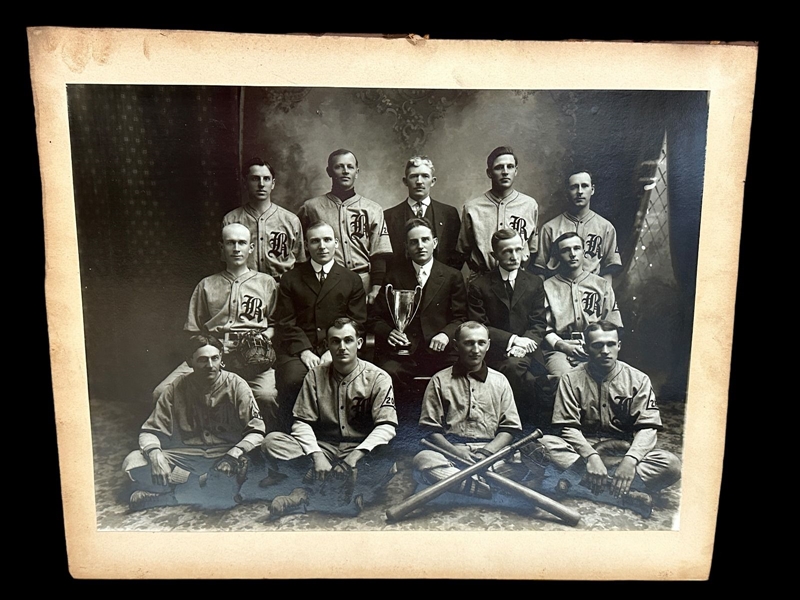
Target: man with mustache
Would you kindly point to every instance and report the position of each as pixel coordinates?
(419, 178)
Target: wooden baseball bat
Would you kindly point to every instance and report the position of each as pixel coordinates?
(410, 504)
(566, 514)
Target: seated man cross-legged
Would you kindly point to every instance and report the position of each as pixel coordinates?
(343, 418)
(606, 402)
(193, 443)
(469, 411)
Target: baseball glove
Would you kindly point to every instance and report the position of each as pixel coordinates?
(253, 353)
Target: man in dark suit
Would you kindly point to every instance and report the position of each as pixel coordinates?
(510, 302)
(310, 297)
(443, 307)
(419, 179)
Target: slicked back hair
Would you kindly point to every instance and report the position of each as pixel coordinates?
(602, 325)
(500, 151)
(256, 161)
(195, 342)
(344, 322)
(578, 172)
(317, 225)
(339, 152)
(418, 222)
(504, 234)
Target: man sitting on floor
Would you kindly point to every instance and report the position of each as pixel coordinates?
(343, 418)
(191, 448)
(469, 410)
(606, 402)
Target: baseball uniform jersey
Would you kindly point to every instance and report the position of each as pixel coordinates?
(484, 215)
(222, 303)
(276, 234)
(358, 223)
(473, 406)
(210, 421)
(571, 306)
(346, 408)
(599, 237)
(621, 404)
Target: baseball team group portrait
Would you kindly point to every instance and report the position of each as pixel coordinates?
(316, 308)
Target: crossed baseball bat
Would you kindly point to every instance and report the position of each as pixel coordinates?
(569, 516)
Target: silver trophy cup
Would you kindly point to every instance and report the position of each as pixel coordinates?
(403, 305)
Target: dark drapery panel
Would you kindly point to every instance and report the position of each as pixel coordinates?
(152, 167)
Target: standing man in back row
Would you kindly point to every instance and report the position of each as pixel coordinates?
(601, 254)
(500, 208)
(358, 224)
(275, 232)
(420, 177)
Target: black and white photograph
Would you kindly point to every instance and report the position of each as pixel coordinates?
(315, 308)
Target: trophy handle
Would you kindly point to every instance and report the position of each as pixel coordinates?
(419, 302)
(388, 289)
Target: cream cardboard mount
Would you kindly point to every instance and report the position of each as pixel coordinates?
(76, 56)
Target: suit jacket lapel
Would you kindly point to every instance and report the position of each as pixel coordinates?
(433, 285)
(499, 289)
(330, 281)
(309, 277)
(520, 287)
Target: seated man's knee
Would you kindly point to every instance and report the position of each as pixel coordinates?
(428, 459)
(281, 446)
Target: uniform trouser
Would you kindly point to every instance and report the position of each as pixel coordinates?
(657, 470)
(431, 466)
(193, 479)
(557, 363)
(262, 386)
(284, 453)
(289, 375)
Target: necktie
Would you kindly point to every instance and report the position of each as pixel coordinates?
(421, 278)
(509, 289)
(321, 276)
(418, 210)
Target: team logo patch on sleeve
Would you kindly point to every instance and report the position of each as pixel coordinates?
(388, 401)
(651, 402)
(384, 231)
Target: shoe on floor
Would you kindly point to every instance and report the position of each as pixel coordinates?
(140, 500)
(273, 477)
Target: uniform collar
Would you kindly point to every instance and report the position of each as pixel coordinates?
(598, 376)
(481, 374)
(350, 195)
(490, 195)
(589, 216)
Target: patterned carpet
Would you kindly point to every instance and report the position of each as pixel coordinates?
(114, 434)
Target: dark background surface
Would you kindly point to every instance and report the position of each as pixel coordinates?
(156, 167)
(743, 478)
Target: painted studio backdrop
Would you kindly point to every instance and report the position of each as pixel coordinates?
(156, 167)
